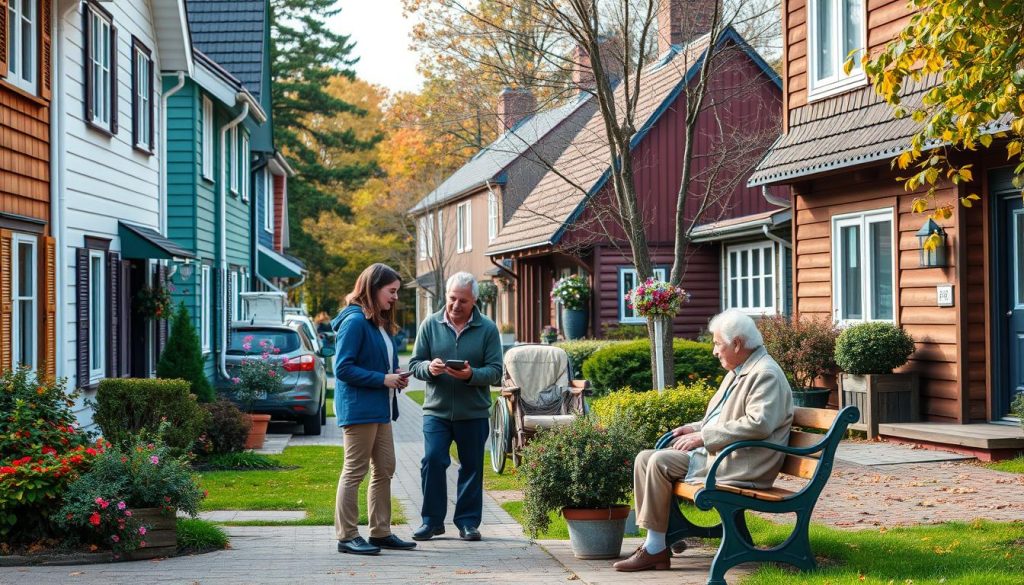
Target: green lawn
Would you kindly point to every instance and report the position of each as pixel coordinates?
(1010, 465)
(330, 406)
(310, 485)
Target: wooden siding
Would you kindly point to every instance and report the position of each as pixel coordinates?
(24, 156)
(280, 186)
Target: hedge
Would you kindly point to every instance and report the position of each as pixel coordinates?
(127, 406)
(580, 350)
(651, 413)
(629, 364)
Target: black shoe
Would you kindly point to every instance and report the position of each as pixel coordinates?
(426, 532)
(469, 533)
(357, 546)
(393, 542)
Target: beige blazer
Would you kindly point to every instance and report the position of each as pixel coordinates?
(759, 408)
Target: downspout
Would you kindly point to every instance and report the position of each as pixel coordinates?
(222, 251)
(164, 98)
(775, 238)
(772, 198)
(779, 282)
(297, 284)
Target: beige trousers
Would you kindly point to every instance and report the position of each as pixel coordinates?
(367, 446)
(654, 473)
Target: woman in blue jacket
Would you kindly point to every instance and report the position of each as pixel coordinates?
(366, 368)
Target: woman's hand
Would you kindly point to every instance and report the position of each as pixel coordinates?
(395, 381)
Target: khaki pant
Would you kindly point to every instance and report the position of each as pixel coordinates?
(654, 473)
(366, 446)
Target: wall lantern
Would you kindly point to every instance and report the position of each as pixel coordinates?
(933, 244)
(183, 268)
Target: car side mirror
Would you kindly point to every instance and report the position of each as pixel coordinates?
(326, 352)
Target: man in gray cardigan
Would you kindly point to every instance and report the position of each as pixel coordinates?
(455, 405)
(754, 403)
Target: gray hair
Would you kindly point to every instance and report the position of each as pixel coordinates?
(463, 280)
(734, 323)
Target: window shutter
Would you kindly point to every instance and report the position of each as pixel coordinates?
(3, 42)
(6, 334)
(82, 311)
(113, 314)
(45, 57)
(135, 97)
(50, 303)
(152, 104)
(161, 341)
(87, 64)
(113, 80)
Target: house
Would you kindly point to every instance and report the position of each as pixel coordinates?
(457, 221)
(109, 216)
(858, 257)
(738, 253)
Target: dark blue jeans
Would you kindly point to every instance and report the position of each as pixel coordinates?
(469, 437)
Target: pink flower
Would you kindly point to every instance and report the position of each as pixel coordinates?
(246, 346)
(154, 459)
(271, 374)
(236, 380)
(248, 338)
(128, 513)
(115, 538)
(142, 530)
(121, 506)
(277, 350)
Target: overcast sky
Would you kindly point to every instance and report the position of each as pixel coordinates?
(381, 36)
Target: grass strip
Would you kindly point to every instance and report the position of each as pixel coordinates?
(1010, 465)
(199, 536)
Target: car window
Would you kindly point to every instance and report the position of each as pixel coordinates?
(306, 328)
(305, 340)
(284, 340)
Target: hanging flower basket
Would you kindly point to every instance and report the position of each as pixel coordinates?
(656, 298)
(154, 302)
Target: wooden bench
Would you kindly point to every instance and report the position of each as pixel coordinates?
(808, 456)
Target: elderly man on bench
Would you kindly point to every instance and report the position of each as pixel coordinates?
(754, 402)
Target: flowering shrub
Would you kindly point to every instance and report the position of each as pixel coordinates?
(257, 378)
(579, 465)
(656, 298)
(154, 302)
(804, 348)
(549, 333)
(572, 291)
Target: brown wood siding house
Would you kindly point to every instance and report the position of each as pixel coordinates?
(857, 256)
(556, 231)
(28, 320)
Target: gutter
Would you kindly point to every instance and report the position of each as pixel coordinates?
(222, 251)
(774, 238)
(773, 199)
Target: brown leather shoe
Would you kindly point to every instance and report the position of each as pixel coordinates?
(643, 561)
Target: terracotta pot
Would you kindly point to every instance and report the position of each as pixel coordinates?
(161, 534)
(596, 533)
(257, 430)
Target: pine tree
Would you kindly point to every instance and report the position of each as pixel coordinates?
(183, 356)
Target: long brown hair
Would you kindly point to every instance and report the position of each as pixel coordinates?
(364, 293)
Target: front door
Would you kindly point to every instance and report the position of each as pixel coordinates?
(1009, 309)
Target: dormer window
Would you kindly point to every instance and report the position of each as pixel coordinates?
(836, 31)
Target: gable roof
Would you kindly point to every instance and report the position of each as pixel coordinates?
(488, 164)
(555, 203)
(172, 35)
(232, 33)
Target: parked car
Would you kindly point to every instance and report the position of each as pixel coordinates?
(305, 395)
(307, 327)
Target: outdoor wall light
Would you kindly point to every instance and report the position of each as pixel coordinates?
(933, 244)
(185, 269)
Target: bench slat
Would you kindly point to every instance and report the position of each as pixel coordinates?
(801, 439)
(814, 418)
(774, 494)
(799, 466)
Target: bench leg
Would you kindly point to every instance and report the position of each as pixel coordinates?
(736, 547)
(680, 527)
(796, 550)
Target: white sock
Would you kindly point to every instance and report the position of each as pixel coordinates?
(655, 542)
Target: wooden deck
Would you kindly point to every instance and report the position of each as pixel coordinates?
(986, 441)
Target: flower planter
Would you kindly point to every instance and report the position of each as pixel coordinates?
(811, 397)
(574, 323)
(596, 533)
(881, 398)
(257, 430)
(161, 535)
(508, 338)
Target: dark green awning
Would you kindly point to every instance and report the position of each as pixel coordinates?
(275, 265)
(143, 242)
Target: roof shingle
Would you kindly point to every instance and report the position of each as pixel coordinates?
(231, 32)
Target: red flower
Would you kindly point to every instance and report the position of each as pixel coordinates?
(94, 519)
(49, 451)
(91, 451)
(7, 469)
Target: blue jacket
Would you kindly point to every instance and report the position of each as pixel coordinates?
(360, 364)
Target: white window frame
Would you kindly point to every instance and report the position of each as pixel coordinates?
(243, 163)
(205, 311)
(22, 61)
(464, 227)
(232, 158)
(863, 220)
(233, 291)
(768, 261)
(627, 315)
(492, 216)
(152, 326)
(839, 81)
(97, 314)
(19, 296)
(143, 83)
(268, 201)
(207, 169)
(424, 229)
(101, 62)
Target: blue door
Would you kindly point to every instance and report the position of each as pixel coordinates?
(1009, 309)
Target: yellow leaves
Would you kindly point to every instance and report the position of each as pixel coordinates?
(943, 213)
(920, 205)
(848, 66)
(1013, 149)
(969, 200)
(905, 159)
(985, 140)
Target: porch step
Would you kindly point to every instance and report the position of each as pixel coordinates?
(988, 436)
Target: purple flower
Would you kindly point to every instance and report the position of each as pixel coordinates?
(154, 460)
(236, 380)
(121, 506)
(246, 346)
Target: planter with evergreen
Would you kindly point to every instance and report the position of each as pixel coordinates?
(867, 354)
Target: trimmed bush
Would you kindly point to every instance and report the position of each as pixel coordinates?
(127, 406)
(629, 364)
(580, 350)
(1018, 408)
(651, 413)
(873, 348)
(623, 332)
(182, 359)
(226, 430)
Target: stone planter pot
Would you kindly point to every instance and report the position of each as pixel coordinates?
(508, 338)
(881, 398)
(811, 397)
(574, 323)
(257, 430)
(161, 534)
(596, 533)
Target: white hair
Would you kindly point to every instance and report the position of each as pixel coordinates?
(463, 280)
(734, 323)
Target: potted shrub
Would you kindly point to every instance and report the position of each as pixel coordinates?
(585, 471)
(867, 353)
(548, 335)
(256, 378)
(508, 333)
(805, 349)
(573, 292)
(488, 293)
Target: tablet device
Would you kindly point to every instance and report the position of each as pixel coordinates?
(455, 364)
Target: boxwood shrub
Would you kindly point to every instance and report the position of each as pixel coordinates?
(629, 364)
(580, 350)
(873, 348)
(127, 406)
(651, 413)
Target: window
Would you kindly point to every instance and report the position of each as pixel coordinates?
(233, 292)
(142, 96)
(206, 298)
(207, 138)
(232, 158)
(628, 280)
(100, 68)
(424, 229)
(463, 227)
(492, 216)
(268, 201)
(836, 30)
(97, 314)
(243, 164)
(863, 266)
(22, 43)
(24, 309)
(750, 278)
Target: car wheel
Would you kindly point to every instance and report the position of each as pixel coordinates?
(311, 424)
(323, 413)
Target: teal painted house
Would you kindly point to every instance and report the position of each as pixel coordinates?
(209, 207)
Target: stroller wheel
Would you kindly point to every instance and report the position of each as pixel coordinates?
(501, 434)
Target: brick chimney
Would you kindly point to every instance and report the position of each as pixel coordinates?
(513, 106)
(611, 60)
(681, 21)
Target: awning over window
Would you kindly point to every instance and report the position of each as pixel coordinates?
(275, 265)
(138, 242)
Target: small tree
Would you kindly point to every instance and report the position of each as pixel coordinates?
(183, 356)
